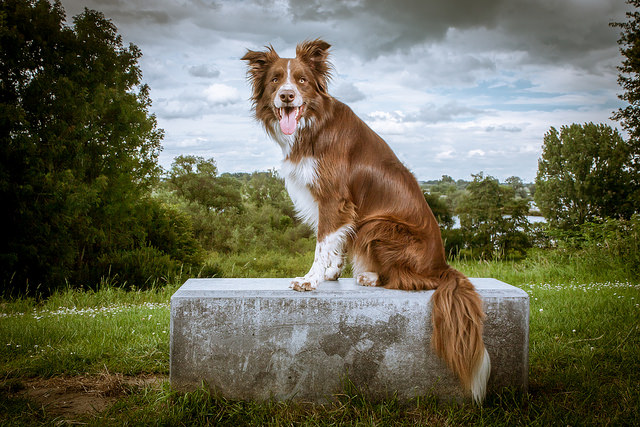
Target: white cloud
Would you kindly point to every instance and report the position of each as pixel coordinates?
(476, 153)
(447, 154)
(222, 94)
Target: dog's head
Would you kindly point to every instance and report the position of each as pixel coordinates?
(289, 91)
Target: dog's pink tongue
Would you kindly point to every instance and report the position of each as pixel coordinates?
(288, 122)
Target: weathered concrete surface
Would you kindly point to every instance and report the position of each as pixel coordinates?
(258, 339)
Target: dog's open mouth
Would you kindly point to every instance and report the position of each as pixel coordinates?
(289, 117)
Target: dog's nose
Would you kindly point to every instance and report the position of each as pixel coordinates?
(287, 95)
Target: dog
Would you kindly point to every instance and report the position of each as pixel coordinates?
(346, 183)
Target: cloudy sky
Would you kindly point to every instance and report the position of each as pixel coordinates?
(454, 86)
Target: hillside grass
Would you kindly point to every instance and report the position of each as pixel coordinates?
(584, 354)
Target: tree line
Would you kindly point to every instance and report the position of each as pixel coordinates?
(86, 201)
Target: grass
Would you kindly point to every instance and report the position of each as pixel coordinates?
(75, 332)
(584, 355)
(551, 266)
(260, 264)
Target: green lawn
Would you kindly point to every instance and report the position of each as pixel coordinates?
(584, 359)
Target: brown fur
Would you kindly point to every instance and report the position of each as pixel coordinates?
(362, 184)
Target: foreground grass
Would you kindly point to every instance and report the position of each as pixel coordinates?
(75, 332)
(584, 357)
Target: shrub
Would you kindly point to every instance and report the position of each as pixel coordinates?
(171, 231)
(608, 244)
(139, 268)
(454, 241)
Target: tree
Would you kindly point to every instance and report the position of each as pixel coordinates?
(440, 209)
(629, 76)
(585, 172)
(267, 188)
(445, 186)
(194, 178)
(493, 221)
(518, 187)
(78, 145)
(446, 190)
(440, 206)
(629, 80)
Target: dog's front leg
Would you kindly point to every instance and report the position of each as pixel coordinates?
(328, 260)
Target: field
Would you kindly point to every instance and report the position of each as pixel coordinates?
(102, 357)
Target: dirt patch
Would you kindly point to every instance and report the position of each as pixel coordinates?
(71, 397)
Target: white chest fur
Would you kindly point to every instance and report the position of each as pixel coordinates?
(298, 178)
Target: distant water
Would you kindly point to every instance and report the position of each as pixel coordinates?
(532, 219)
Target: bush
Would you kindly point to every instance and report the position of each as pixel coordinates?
(454, 241)
(608, 244)
(139, 268)
(171, 231)
(264, 221)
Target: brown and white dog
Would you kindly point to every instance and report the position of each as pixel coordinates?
(347, 184)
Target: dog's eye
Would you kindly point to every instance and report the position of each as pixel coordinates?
(302, 80)
(274, 80)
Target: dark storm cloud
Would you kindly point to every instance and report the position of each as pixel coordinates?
(402, 23)
(548, 30)
(348, 92)
(204, 71)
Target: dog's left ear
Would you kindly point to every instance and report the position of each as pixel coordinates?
(315, 53)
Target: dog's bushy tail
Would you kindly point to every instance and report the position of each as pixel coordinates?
(457, 332)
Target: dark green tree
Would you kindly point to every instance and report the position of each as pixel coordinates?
(629, 76)
(78, 145)
(492, 220)
(440, 209)
(439, 204)
(585, 172)
(629, 80)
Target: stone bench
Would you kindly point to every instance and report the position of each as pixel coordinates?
(257, 339)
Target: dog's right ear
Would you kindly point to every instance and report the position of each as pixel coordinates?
(259, 61)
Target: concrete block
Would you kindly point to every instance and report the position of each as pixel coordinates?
(257, 339)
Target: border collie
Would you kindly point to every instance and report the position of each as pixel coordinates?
(348, 185)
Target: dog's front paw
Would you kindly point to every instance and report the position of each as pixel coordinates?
(332, 273)
(302, 284)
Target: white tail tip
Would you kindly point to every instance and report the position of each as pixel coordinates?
(480, 379)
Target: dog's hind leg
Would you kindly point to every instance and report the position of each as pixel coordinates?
(364, 273)
(398, 255)
(368, 278)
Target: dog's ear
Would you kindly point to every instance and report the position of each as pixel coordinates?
(259, 62)
(315, 53)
